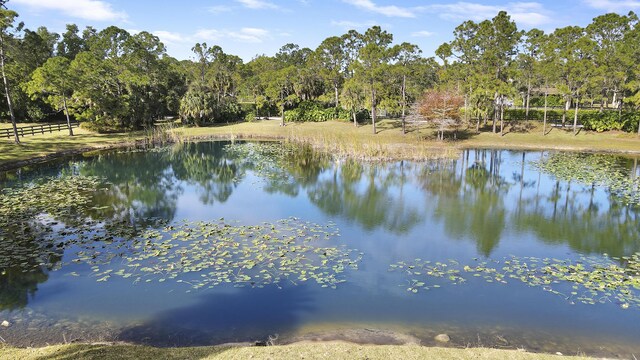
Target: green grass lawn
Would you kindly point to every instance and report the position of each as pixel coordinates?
(339, 138)
(389, 141)
(326, 350)
(10, 126)
(47, 144)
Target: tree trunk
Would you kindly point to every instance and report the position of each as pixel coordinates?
(335, 88)
(567, 106)
(66, 112)
(404, 102)
(373, 108)
(544, 122)
(526, 113)
(255, 104)
(620, 102)
(404, 94)
(495, 112)
(282, 121)
(501, 120)
(478, 124)
(575, 118)
(355, 120)
(466, 108)
(6, 90)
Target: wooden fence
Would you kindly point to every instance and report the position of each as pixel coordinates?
(37, 129)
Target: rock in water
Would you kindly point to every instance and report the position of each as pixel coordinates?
(5, 323)
(443, 338)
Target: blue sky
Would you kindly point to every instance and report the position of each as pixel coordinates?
(251, 27)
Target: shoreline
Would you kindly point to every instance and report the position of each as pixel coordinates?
(407, 150)
(334, 349)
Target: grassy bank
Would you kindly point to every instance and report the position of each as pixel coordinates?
(60, 142)
(331, 350)
(389, 143)
(339, 138)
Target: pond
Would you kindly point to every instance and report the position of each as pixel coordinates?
(212, 242)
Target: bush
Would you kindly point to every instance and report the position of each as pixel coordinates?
(612, 120)
(552, 100)
(594, 120)
(521, 114)
(631, 121)
(605, 121)
(362, 115)
(250, 116)
(101, 127)
(312, 111)
(200, 107)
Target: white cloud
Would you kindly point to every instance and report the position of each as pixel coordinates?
(84, 9)
(168, 37)
(349, 25)
(258, 4)
(218, 9)
(422, 33)
(386, 10)
(614, 5)
(252, 35)
(523, 13)
(246, 35)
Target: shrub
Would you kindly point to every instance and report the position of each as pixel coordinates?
(594, 120)
(250, 116)
(312, 111)
(552, 100)
(200, 107)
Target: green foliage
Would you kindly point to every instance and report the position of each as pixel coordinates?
(250, 116)
(552, 100)
(311, 111)
(52, 82)
(611, 120)
(595, 120)
(201, 107)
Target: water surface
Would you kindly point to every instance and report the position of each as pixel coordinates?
(485, 206)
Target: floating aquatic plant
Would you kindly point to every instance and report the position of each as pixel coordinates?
(208, 254)
(31, 215)
(587, 280)
(42, 222)
(593, 169)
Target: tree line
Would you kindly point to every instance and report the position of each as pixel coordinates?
(114, 80)
(491, 62)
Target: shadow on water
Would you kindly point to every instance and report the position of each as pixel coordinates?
(247, 315)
